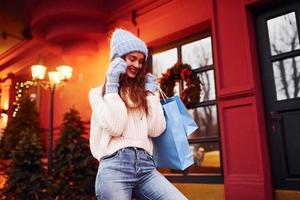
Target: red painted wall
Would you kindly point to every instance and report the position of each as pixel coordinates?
(244, 143)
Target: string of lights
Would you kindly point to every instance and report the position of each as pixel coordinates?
(21, 89)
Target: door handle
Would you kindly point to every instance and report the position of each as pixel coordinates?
(274, 117)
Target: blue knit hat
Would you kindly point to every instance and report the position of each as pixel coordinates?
(123, 42)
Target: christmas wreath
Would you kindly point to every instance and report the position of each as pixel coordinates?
(183, 74)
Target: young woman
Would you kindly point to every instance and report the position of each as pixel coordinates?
(125, 116)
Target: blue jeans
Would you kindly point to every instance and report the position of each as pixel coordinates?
(130, 172)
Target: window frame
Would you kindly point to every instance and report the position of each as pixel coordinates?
(185, 177)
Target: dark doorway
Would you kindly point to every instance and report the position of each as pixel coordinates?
(277, 33)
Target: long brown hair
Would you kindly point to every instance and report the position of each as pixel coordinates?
(133, 89)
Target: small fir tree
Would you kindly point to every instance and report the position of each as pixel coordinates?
(27, 177)
(27, 118)
(74, 169)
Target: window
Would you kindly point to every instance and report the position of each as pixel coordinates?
(284, 49)
(204, 142)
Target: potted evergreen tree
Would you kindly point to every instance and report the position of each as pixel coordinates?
(74, 169)
(27, 117)
(27, 177)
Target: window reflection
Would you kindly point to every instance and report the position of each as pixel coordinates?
(287, 78)
(207, 121)
(208, 88)
(176, 89)
(198, 53)
(163, 61)
(283, 34)
(206, 158)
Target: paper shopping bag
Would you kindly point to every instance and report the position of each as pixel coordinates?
(189, 124)
(171, 149)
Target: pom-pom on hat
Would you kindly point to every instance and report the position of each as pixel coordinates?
(123, 42)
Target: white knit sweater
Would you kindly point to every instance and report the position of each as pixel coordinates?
(113, 126)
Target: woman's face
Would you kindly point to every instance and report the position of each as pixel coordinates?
(135, 61)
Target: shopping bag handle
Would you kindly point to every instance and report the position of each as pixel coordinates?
(163, 95)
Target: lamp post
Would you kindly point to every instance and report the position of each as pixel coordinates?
(56, 79)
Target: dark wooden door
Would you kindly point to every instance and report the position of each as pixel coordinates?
(277, 33)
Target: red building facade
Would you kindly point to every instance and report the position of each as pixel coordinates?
(255, 78)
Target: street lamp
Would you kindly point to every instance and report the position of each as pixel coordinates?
(56, 79)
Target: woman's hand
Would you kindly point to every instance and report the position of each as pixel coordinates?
(151, 83)
(116, 68)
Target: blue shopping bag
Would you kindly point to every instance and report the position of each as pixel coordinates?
(171, 149)
(189, 124)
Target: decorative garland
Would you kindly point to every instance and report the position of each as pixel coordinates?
(182, 73)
